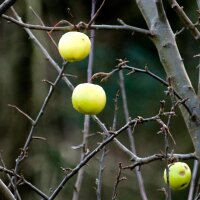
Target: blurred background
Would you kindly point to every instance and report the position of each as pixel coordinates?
(23, 67)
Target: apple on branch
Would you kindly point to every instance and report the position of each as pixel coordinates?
(74, 46)
(88, 98)
(179, 175)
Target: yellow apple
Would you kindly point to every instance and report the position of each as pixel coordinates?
(74, 46)
(88, 98)
(179, 175)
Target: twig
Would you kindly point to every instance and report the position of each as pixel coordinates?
(179, 32)
(142, 161)
(9, 177)
(116, 141)
(44, 51)
(23, 113)
(94, 16)
(23, 153)
(123, 65)
(114, 126)
(193, 180)
(101, 166)
(6, 5)
(166, 138)
(5, 193)
(168, 190)
(80, 26)
(101, 169)
(42, 23)
(22, 179)
(118, 180)
(185, 19)
(80, 175)
(131, 137)
(110, 138)
(92, 35)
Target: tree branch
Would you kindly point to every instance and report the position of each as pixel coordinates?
(112, 136)
(185, 19)
(131, 137)
(23, 180)
(80, 26)
(193, 180)
(149, 159)
(164, 40)
(198, 4)
(6, 5)
(5, 193)
(123, 65)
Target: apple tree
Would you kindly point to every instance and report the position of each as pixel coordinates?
(145, 56)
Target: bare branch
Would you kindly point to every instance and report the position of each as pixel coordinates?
(12, 173)
(23, 153)
(193, 180)
(185, 19)
(171, 157)
(101, 169)
(44, 51)
(23, 113)
(79, 180)
(112, 136)
(94, 16)
(131, 137)
(5, 193)
(79, 26)
(121, 66)
(118, 180)
(84, 151)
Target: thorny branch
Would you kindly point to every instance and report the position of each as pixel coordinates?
(79, 26)
(94, 16)
(149, 159)
(185, 19)
(123, 66)
(131, 136)
(137, 160)
(24, 151)
(55, 65)
(22, 180)
(118, 180)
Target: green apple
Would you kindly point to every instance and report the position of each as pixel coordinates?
(88, 98)
(179, 175)
(74, 46)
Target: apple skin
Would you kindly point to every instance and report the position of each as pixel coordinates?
(179, 175)
(88, 98)
(74, 46)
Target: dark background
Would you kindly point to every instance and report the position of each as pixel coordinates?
(23, 68)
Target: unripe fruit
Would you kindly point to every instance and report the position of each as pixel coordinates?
(179, 175)
(88, 98)
(74, 46)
